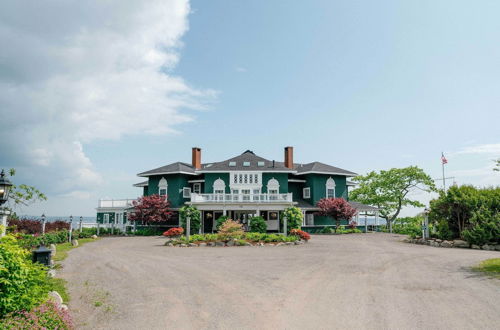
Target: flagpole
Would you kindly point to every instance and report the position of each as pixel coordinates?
(444, 180)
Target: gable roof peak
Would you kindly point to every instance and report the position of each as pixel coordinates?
(248, 152)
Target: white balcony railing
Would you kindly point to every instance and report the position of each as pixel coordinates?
(241, 198)
(115, 202)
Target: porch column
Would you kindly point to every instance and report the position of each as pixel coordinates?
(224, 211)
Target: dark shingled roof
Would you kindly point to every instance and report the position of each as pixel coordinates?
(363, 207)
(247, 156)
(253, 160)
(171, 168)
(321, 168)
(141, 184)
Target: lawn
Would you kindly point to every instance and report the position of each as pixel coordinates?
(63, 248)
(490, 267)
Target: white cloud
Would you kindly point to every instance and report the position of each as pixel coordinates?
(77, 71)
(493, 148)
(241, 69)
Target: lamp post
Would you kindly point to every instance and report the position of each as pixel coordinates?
(43, 223)
(70, 227)
(81, 223)
(5, 186)
(425, 227)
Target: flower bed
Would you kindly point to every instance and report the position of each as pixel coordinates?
(245, 239)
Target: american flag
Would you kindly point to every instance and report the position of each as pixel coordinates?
(443, 159)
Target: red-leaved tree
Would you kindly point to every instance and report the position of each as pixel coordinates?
(151, 209)
(336, 208)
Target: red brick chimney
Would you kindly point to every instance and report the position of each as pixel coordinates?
(196, 158)
(289, 157)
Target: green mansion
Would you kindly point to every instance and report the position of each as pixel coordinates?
(241, 187)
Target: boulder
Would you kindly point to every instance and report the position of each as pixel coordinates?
(487, 247)
(460, 243)
(56, 298)
(74, 242)
(168, 244)
(439, 240)
(476, 247)
(211, 243)
(51, 273)
(248, 244)
(446, 244)
(53, 248)
(407, 240)
(64, 307)
(94, 236)
(192, 244)
(203, 244)
(183, 245)
(230, 243)
(219, 244)
(497, 247)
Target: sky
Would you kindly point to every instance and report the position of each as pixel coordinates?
(94, 92)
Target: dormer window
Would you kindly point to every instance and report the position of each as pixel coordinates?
(260, 164)
(246, 164)
(232, 164)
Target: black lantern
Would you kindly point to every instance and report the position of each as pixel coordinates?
(5, 185)
(42, 255)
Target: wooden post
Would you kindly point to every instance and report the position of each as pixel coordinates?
(188, 227)
(70, 230)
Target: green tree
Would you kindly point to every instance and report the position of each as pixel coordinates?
(389, 190)
(497, 165)
(258, 225)
(294, 218)
(195, 218)
(23, 194)
(455, 209)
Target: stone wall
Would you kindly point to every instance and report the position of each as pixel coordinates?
(457, 243)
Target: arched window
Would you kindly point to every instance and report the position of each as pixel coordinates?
(162, 187)
(219, 186)
(330, 188)
(273, 186)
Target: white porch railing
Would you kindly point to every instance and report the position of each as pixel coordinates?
(241, 198)
(115, 202)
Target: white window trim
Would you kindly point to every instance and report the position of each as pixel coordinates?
(255, 183)
(219, 184)
(273, 184)
(330, 184)
(105, 218)
(197, 188)
(163, 184)
(186, 192)
(306, 193)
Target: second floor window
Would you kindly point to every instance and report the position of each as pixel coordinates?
(306, 192)
(330, 188)
(162, 187)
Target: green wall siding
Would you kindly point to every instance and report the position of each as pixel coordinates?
(317, 183)
(210, 178)
(282, 179)
(174, 191)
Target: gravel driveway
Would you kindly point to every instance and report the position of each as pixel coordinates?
(363, 281)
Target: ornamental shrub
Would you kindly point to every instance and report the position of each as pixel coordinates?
(220, 221)
(300, 233)
(327, 230)
(43, 317)
(258, 225)
(485, 227)
(23, 284)
(195, 218)
(294, 218)
(230, 229)
(172, 232)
